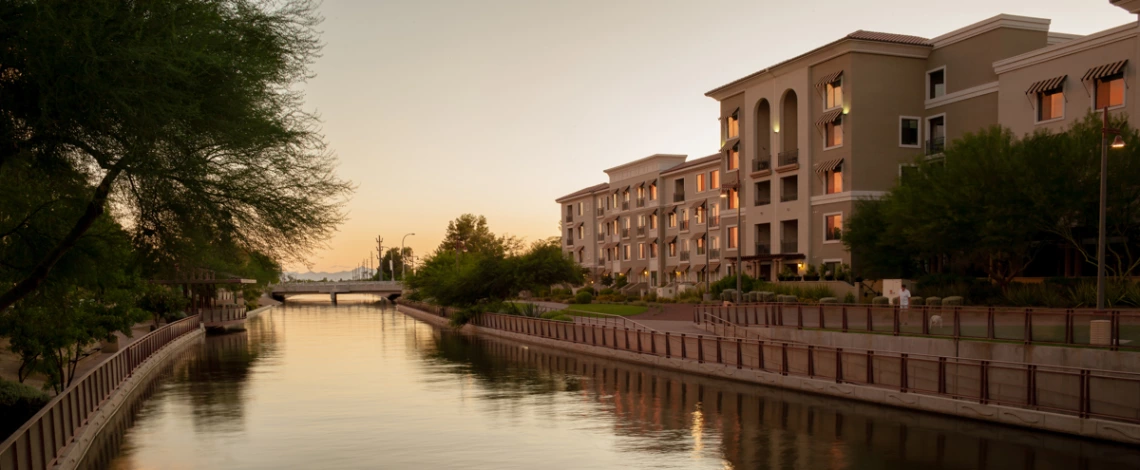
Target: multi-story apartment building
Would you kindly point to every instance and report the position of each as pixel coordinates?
(804, 140)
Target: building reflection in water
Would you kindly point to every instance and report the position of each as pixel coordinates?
(754, 426)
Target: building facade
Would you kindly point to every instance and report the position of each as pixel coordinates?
(804, 140)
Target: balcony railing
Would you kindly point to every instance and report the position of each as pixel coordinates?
(679, 197)
(684, 225)
(569, 218)
(791, 157)
(625, 205)
(601, 237)
(762, 163)
(700, 251)
(641, 231)
(763, 248)
(569, 242)
(935, 146)
(789, 197)
(641, 202)
(684, 256)
(714, 221)
(625, 233)
(763, 200)
(714, 253)
(600, 211)
(789, 247)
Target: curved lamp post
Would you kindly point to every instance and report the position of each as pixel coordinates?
(403, 263)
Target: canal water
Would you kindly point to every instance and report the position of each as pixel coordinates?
(359, 385)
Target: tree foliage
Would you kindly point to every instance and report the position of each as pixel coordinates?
(183, 116)
(393, 259)
(490, 271)
(993, 201)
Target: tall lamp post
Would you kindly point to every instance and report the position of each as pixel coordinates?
(1100, 240)
(403, 263)
(735, 188)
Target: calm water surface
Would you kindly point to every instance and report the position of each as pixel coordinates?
(316, 386)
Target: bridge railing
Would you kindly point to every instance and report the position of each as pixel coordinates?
(1086, 393)
(37, 444)
(286, 287)
(1116, 329)
(605, 319)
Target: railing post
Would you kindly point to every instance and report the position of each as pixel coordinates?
(1084, 394)
(639, 341)
(739, 354)
(668, 348)
(897, 323)
(1069, 326)
(844, 318)
(958, 322)
(653, 342)
(799, 316)
(1031, 385)
(683, 347)
(941, 375)
(784, 354)
(838, 365)
(903, 379)
(822, 322)
(984, 390)
(811, 360)
(870, 367)
(760, 354)
(718, 356)
(627, 348)
(1028, 326)
(1114, 341)
(870, 324)
(700, 349)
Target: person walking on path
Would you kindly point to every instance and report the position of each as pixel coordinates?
(904, 297)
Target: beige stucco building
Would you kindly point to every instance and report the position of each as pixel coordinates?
(805, 139)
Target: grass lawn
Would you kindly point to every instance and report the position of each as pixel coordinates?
(611, 309)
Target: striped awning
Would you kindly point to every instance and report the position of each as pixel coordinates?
(698, 236)
(1104, 70)
(672, 239)
(698, 204)
(831, 77)
(728, 144)
(829, 117)
(609, 219)
(652, 241)
(827, 166)
(1045, 85)
(714, 267)
(611, 245)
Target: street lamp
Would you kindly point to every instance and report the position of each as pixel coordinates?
(724, 195)
(1117, 143)
(403, 264)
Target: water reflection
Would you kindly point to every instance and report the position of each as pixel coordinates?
(361, 386)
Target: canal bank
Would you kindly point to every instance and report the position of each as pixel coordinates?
(1121, 432)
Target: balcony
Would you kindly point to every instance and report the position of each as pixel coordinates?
(625, 233)
(625, 205)
(762, 164)
(763, 248)
(684, 256)
(569, 242)
(641, 202)
(700, 251)
(679, 197)
(569, 218)
(641, 231)
(791, 157)
(789, 247)
(935, 146)
(789, 197)
(762, 199)
(714, 253)
(600, 211)
(684, 225)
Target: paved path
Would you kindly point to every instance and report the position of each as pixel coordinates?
(672, 326)
(675, 312)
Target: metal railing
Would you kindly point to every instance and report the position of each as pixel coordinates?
(605, 319)
(569, 218)
(684, 256)
(763, 249)
(625, 205)
(641, 231)
(601, 237)
(762, 200)
(679, 197)
(684, 225)
(789, 196)
(714, 253)
(791, 157)
(714, 221)
(789, 247)
(599, 211)
(37, 444)
(641, 202)
(625, 233)
(1111, 329)
(761, 164)
(1086, 393)
(935, 146)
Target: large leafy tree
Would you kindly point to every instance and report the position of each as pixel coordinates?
(182, 116)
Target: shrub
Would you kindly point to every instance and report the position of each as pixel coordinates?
(935, 301)
(880, 300)
(953, 300)
(1034, 295)
(18, 403)
(607, 291)
(850, 298)
(583, 297)
(652, 296)
(766, 296)
(786, 299)
(728, 295)
(916, 300)
(588, 289)
(829, 300)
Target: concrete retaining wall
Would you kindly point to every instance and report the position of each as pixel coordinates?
(1087, 427)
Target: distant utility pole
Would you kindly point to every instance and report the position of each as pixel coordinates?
(380, 256)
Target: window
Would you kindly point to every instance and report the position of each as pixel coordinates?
(673, 248)
(763, 193)
(579, 256)
(701, 183)
(936, 83)
(789, 188)
(834, 94)
(700, 214)
(652, 250)
(640, 251)
(685, 245)
(640, 221)
(652, 221)
(733, 232)
(579, 208)
(908, 132)
(641, 192)
(1051, 104)
(625, 252)
(625, 196)
(835, 180)
(714, 243)
(733, 199)
(732, 126)
(614, 205)
(653, 192)
(600, 229)
(936, 134)
(714, 179)
(714, 209)
(833, 133)
(734, 157)
(672, 219)
(834, 224)
(601, 202)
(581, 231)
(1110, 91)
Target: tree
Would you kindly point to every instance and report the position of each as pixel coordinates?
(877, 249)
(186, 113)
(470, 233)
(394, 260)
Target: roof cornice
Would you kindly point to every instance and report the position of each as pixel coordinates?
(1000, 21)
(1092, 41)
(668, 157)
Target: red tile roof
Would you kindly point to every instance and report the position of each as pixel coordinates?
(888, 37)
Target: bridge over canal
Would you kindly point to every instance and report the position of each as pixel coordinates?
(389, 289)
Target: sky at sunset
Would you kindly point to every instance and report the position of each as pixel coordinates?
(439, 108)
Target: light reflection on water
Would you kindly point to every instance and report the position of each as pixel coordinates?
(362, 386)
